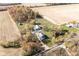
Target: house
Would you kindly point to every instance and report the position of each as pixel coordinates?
(72, 25)
(41, 36)
(77, 25)
(36, 28)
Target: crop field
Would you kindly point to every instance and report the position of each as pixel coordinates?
(8, 29)
(59, 14)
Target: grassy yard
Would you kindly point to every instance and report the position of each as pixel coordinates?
(48, 27)
(71, 29)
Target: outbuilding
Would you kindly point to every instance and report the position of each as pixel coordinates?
(36, 28)
(42, 36)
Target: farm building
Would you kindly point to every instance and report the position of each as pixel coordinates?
(34, 4)
(8, 29)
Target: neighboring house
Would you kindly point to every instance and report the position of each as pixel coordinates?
(77, 24)
(72, 25)
(36, 28)
(41, 36)
(34, 4)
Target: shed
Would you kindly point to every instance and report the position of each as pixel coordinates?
(42, 36)
(36, 28)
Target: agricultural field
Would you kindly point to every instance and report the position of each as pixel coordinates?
(8, 26)
(9, 33)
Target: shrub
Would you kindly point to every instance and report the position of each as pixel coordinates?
(31, 48)
(15, 44)
(21, 13)
(73, 34)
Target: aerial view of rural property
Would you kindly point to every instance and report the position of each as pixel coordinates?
(39, 29)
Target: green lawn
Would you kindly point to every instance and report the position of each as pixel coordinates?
(71, 29)
(47, 28)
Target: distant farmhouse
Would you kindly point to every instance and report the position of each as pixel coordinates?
(34, 4)
(4, 6)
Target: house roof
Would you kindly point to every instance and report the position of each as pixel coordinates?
(36, 26)
(8, 28)
(59, 14)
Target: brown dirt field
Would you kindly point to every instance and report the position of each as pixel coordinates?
(59, 14)
(8, 28)
(10, 51)
(8, 32)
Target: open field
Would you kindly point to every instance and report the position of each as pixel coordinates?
(8, 33)
(59, 14)
(8, 28)
(10, 51)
